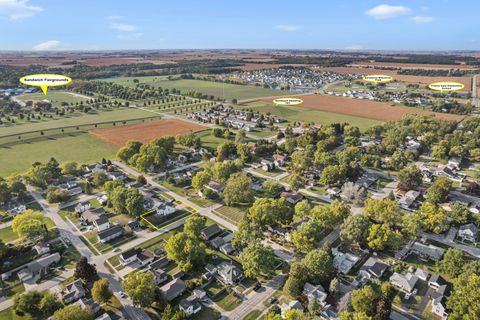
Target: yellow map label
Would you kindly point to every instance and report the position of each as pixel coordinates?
(446, 86)
(377, 78)
(287, 101)
(45, 80)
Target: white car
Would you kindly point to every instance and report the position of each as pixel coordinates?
(122, 294)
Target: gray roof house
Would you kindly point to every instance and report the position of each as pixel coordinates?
(405, 282)
(34, 270)
(315, 293)
(468, 232)
(229, 273)
(73, 292)
(427, 252)
(172, 289)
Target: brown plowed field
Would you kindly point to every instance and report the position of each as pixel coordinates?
(146, 132)
(414, 65)
(467, 81)
(363, 108)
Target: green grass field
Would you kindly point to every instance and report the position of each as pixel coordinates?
(209, 141)
(216, 89)
(309, 115)
(82, 147)
(232, 214)
(78, 120)
(56, 97)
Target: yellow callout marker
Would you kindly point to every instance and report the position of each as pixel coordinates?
(446, 86)
(287, 101)
(377, 78)
(45, 80)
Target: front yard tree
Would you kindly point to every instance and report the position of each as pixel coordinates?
(465, 298)
(141, 288)
(319, 264)
(409, 178)
(267, 211)
(84, 270)
(257, 260)
(101, 292)
(333, 176)
(305, 237)
(72, 312)
(134, 202)
(438, 191)
(432, 217)
(27, 303)
(30, 224)
(383, 211)
(296, 181)
(194, 225)
(185, 250)
(238, 190)
(200, 179)
(354, 229)
(297, 277)
(381, 236)
(363, 300)
(49, 304)
(452, 262)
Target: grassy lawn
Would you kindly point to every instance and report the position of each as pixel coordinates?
(228, 301)
(56, 97)
(272, 173)
(7, 235)
(206, 314)
(110, 245)
(80, 119)
(122, 219)
(214, 288)
(112, 306)
(12, 287)
(216, 89)
(9, 314)
(82, 148)
(208, 141)
(309, 115)
(253, 315)
(232, 214)
(70, 256)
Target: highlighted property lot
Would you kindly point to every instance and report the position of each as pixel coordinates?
(158, 222)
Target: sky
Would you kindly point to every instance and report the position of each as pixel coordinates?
(241, 24)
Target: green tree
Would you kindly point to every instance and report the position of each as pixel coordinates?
(185, 250)
(101, 292)
(30, 224)
(266, 211)
(200, 179)
(381, 236)
(452, 262)
(333, 176)
(141, 288)
(319, 264)
(297, 277)
(134, 202)
(238, 190)
(84, 270)
(257, 260)
(354, 229)
(72, 312)
(49, 304)
(465, 298)
(28, 303)
(410, 178)
(383, 211)
(306, 236)
(193, 225)
(432, 217)
(296, 181)
(438, 191)
(69, 168)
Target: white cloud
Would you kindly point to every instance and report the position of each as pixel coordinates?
(18, 9)
(288, 27)
(47, 45)
(385, 11)
(130, 36)
(354, 47)
(123, 27)
(114, 17)
(422, 19)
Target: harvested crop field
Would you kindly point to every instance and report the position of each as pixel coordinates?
(146, 132)
(413, 65)
(263, 66)
(364, 108)
(467, 81)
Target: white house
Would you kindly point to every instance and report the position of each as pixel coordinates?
(315, 293)
(165, 209)
(190, 306)
(292, 305)
(468, 232)
(101, 223)
(82, 206)
(405, 282)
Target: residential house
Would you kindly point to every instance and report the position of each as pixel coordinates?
(103, 316)
(41, 248)
(142, 256)
(90, 215)
(292, 305)
(82, 206)
(455, 162)
(410, 200)
(117, 176)
(33, 271)
(173, 289)
(366, 181)
(103, 199)
(88, 304)
(159, 276)
(427, 252)
(267, 165)
(101, 223)
(132, 226)
(344, 262)
(226, 248)
(405, 282)
(279, 159)
(315, 293)
(128, 257)
(468, 232)
(216, 187)
(210, 232)
(422, 274)
(373, 267)
(229, 273)
(166, 208)
(190, 306)
(73, 292)
(159, 264)
(292, 197)
(110, 234)
(439, 296)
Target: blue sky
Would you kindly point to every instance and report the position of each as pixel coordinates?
(199, 24)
